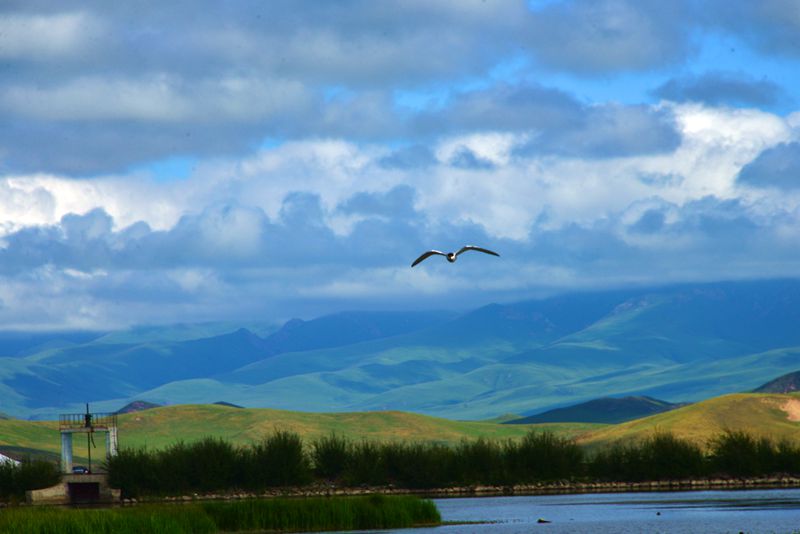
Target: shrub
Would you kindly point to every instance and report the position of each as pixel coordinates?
(738, 453)
(544, 456)
(481, 461)
(16, 479)
(277, 460)
(330, 456)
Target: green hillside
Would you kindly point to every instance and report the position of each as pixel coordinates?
(772, 415)
(159, 427)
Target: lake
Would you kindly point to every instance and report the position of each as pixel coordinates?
(703, 512)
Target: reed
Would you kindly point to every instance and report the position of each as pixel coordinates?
(312, 514)
(138, 520)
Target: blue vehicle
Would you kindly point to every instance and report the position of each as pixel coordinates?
(80, 470)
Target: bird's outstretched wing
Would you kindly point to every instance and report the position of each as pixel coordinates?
(479, 249)
(427, 255)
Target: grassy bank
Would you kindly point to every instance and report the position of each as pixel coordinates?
(309, 514)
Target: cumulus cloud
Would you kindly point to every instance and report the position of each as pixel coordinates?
(331, 143)
(320, 225)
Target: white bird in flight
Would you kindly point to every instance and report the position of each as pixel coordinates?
(451, 256)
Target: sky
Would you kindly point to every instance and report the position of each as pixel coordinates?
(166, 162)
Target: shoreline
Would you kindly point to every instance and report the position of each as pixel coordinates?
(563, 487)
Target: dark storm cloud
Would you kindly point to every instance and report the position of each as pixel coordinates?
(715, 88)
(777, 167)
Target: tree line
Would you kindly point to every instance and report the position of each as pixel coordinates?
(283, 459)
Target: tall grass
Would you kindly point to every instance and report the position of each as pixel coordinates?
(343, 513)
(139, 520)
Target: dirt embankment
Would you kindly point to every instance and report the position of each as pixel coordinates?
(562, 487)
(792, 409)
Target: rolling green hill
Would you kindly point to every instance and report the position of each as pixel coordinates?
(773, 415)
(159, 427)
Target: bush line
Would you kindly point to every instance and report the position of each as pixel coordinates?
(282, 459)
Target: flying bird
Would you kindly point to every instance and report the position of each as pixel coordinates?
(451, 256)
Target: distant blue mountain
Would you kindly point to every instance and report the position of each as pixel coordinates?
(681, 343)
(605, 410)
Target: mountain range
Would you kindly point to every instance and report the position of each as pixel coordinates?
(682, 343)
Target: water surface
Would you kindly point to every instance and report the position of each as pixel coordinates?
(685, 512)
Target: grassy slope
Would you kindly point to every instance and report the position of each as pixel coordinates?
(160, 427)
(760, 414)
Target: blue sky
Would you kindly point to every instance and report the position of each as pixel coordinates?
(167, 161)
